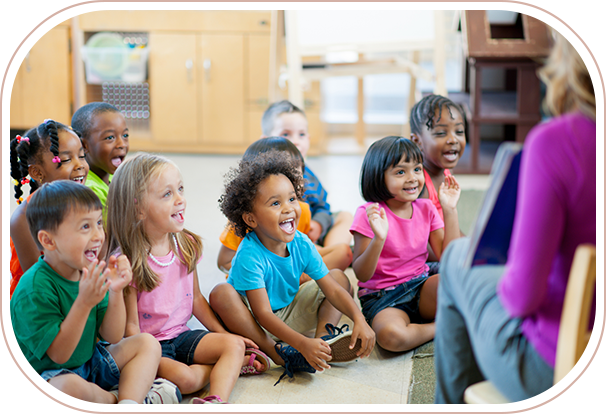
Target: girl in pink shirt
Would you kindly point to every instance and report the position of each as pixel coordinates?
(391, 233)
(146, 214)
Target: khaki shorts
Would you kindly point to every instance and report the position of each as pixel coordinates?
(301, 315)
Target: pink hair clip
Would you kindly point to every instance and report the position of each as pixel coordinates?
(56, 159)
(24, 181)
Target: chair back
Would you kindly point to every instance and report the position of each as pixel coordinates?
(574, 324)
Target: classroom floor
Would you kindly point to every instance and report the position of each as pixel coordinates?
(382, 378)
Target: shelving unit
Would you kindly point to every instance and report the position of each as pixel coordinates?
(517, 49)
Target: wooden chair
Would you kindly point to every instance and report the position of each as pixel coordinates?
(574, 335)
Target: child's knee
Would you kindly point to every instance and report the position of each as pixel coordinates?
(342, 279)
(222, 296)
(234, 344)
(146, 343)
(345, 253)
(73, 385)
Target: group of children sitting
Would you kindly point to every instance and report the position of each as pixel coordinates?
(104, 276)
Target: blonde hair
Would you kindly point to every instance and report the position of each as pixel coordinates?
(124, 226)
(569, 86)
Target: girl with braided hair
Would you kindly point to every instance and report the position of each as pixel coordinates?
(438, 126)
(51, 151)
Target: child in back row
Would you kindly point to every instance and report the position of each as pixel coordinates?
(438, 127)
(283, 119)
(262, 299)
(51, 151)
(337, 256)
(146, 216)
(104, 134)
(391, 232)
(68, 299)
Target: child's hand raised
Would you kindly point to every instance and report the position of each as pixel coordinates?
(377, 220)
(93, 284)
(120, 273)
(449, 192)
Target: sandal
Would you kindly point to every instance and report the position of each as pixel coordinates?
(254, 354)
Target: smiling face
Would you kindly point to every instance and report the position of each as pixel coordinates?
(163, 207)
(76, 243)
(106, 143)
(405, 180)
(73, 163)
(293, 127)
(444, 144)
(276, 213)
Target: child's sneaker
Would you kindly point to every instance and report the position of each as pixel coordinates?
(211, 399)
(163, 392)
(338, 339)
(294, 361)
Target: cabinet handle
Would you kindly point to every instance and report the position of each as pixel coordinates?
(28, 68)
(189, 64)
(206, 65)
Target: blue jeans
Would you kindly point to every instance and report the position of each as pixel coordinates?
(101, 369)
(404, 297)
(475, 337)
(183, 347)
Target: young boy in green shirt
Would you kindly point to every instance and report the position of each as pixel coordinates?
(68, 299)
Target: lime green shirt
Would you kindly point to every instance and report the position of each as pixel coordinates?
(100, 188)
(39, 305)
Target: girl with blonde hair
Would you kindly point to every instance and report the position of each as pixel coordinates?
(146, 216)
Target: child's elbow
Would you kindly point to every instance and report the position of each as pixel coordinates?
(57, 357)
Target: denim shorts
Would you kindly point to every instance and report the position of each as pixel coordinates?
(404, 297)
(183, 347)
(101, 369)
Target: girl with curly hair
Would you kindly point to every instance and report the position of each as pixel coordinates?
(262, 299)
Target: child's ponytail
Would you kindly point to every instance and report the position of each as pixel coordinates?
(16, 168)
(51, 130)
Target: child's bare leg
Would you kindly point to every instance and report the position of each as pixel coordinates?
(339, 232)
(77, 387)
(428, 300)
(189, 379)
(327, 313)
(226, 302)
(395, 333)
(225, 351)
(137, 357)
(337, 256)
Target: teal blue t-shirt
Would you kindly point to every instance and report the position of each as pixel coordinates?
(39, 305)
(255, 267)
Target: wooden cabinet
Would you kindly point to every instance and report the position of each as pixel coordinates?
(208, 74)
(42, 87)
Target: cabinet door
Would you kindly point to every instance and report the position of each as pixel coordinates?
(258, 84)
(42, 88)
(221, 85)
(173, 92)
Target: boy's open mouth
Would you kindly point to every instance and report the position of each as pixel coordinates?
(288, 226)
(116, 161)
(91, 254)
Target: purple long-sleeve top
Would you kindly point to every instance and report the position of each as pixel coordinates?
(555, 212)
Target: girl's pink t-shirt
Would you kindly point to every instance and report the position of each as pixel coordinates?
(404, 254)
(165, 311)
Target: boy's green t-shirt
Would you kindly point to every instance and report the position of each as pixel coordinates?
(39, 305)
